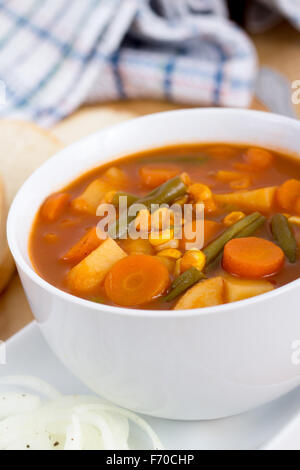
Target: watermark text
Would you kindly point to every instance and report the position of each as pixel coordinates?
(296, 92)
(2, 353)
(138, 221)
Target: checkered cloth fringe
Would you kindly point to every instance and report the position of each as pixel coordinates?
(56, 55)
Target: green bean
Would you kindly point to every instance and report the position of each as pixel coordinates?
(284, 236)
(131, 198)
(242, 228)
(246, 232)
(183, 282)
(167, 192)
(250, 224)
(213, 265)
(214, 248)
(197, 159)
(252, 228)
(98, 300)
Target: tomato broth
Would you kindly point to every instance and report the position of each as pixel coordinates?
(63, 237)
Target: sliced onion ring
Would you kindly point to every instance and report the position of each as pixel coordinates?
(63, 422)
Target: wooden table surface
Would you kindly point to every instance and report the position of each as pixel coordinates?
(278, 48)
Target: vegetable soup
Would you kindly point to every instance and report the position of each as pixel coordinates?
(243, 228)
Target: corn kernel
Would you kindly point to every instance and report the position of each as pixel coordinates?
(162, 219)
(210, 206)
(294, 220)
(193, 258)
(159, 238)
(108, 198)
(170, 253)
(171, 244)
(200, 192)
(177, 271)
(137, 247)
(233, 217)
(186, 178)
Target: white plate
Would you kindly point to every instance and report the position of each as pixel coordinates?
(27, 353)
(288, 438)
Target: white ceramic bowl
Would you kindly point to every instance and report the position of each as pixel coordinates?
(192, 364)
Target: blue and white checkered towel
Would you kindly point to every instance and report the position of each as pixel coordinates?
(58, 54)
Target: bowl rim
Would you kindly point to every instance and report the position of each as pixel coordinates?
(133, 312)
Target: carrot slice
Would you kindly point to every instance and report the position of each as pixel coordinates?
(258, 159)
(211, 230)
(136, 280)
(252, 257)
(153, 177)
(297, 206)
(88, 243)
(287, 194)
(222, 152)
(54, 206)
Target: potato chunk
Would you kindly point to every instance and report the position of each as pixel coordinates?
(261, 200)
(87, 275)
(115, 176)
(239, 289)
(91, 197)
(204, 294)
